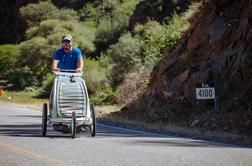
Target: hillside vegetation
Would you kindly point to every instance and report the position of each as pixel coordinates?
(101, 29)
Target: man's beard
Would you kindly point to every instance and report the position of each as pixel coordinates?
(67, 49)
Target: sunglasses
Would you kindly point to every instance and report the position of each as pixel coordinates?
(66, 41)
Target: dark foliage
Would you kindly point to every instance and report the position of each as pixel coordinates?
(73, 4)
(12, 27)
(157, 10)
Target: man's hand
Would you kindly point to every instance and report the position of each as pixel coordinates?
(78, 70)
(54, 70)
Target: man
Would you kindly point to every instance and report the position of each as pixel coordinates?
(67, 57)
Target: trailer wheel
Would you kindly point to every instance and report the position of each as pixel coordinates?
(93, 125)
(44, 119)
(73, 125)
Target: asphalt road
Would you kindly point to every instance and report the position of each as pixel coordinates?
(21, 144)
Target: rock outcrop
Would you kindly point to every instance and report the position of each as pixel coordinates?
(217, 48)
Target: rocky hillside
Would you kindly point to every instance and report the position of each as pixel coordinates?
(216, 49)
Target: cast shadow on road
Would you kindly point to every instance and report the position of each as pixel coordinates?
(139, 138)
(27, 116)
(184, 143)
(155, 139)
(34, 130)
(28, 130)
(117, 133)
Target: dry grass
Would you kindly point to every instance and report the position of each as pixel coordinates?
(104, 110)
(132, 87)
(177, 130)
(193, 9)
(22, 99)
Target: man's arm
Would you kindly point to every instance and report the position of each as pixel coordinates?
(80, 65)
(55, 65)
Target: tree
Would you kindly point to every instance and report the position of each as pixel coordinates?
(125, 55)
(8, 59)
(113, 24)
(36, 54)
(33, 14)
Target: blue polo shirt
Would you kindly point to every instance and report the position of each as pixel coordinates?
(68, 60)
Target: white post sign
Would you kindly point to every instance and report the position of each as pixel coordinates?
(205, 91)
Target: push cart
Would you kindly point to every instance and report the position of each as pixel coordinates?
(69, 107)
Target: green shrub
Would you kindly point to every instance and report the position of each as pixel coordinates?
(90, 11)
(53, 30)
(125, 56)
(45, 28)
(36, 54)
(33, 14)
(46, 86)
(110, 4)
(8, 59)
(20, 78)
(66, 15)
(159, 39)
(112, 25)
(94, 75)
(84, 35)
(154, 38)
(103, 96)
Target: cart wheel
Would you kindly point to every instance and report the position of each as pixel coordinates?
(93, 126)
(73, 125)
(44, 119)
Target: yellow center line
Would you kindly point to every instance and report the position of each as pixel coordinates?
(33, 153)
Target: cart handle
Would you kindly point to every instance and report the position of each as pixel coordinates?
(68, 72)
